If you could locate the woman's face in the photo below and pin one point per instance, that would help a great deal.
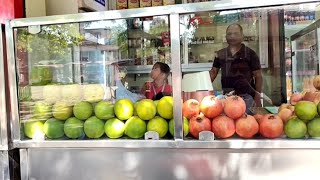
(155, 72)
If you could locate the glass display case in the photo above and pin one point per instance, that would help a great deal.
(71, 77)
(305, 57)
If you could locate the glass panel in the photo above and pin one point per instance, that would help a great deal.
(306, 62)
(246, 52)
(87, 80)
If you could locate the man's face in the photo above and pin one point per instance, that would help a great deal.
(234, 35)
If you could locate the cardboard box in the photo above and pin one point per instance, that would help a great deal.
(133, 4)
(157, 2)
(145, 3)
(122, 4)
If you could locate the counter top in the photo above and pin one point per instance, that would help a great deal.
(186, 144)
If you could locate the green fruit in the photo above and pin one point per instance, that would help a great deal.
(123, 109)
(94, 127)
(73, 128)
(53, 128)
(159, 125)
(185, 127)
(295, 128)
(114, 128)
(42, 110)
(61, 111)
(33, 128)
(314, 127)
(165, 107)
(146, 109)
(135, 108)
(318, 108)
(135, 127)
(305, 110)
(104, 110)
(83, 110)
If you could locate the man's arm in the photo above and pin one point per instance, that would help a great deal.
(213, 73)
(258, 81)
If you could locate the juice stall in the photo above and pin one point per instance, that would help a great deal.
(79, 82)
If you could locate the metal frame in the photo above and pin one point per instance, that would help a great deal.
(173, 11)
(4, 165)
(3, 107)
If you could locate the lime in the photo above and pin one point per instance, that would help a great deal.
(146, 109)
(123, 109)
(33, 128)
(185, 127)
(135, 127)
(83, 110)
(42, 110)
(73, 128)
(314, 127)
(53, 128)
(165, 107)
(158, 124)
(295, 128)
(135, 108)
(114, 128)
(104, 110)
(94, 127)
(61, 111)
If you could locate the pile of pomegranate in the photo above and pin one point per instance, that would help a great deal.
(226, 117)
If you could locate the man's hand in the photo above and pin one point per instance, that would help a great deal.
(257, 100)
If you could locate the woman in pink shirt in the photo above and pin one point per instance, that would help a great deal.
(159, 86)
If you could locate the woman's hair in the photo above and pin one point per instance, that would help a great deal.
(164, 68)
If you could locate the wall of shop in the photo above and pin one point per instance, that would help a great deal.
(10, 9)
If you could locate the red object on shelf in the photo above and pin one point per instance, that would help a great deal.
(11, 9)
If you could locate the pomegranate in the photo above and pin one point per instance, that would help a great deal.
(234, 107)
(271, 126)
(247, 126)
(285, 114)
(211, 107)
(199, 123)
(316, 82)
(295, 98)
(190, 108)
(258, 117)
(223, 126)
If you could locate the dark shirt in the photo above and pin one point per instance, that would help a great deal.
(237, 69)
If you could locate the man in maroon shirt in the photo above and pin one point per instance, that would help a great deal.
(240, 66)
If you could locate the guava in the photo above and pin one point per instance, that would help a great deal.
(61, 111)
(135, 127)
(83, 110)
(159, 125)
(53, 128)
(146, 109)
(104, 110)
(165, 107)
(114, 128)
(94, 127)
(123, 109)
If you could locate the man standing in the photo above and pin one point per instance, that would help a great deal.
(241, 70)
